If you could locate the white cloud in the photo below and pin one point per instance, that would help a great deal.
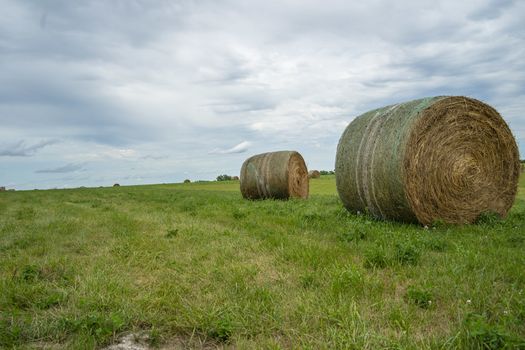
(151, 85)
(22, 149)
(240, 148)
(68, 168)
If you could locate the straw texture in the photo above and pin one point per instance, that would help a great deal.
(439, 158)
(314, 174)
(278, 175)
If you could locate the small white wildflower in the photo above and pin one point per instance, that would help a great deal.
(430, 302)
(469, 301)
(505, 312)
(425, 227)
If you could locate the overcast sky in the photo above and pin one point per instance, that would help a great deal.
(136, 91)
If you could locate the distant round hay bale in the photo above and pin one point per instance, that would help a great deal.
(278, 175)
(2, 189)
(116, 185)
(314, 174)
(447, 159)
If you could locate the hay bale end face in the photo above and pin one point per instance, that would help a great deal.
(278, 175)
(447, 159)
(314, 174)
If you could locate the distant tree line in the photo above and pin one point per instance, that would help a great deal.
(224, 177)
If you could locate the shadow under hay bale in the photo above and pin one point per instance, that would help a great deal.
(314, 174)
(440, 158)
(278, 175)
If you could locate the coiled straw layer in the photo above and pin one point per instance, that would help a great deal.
(447, 159)
(278, 175)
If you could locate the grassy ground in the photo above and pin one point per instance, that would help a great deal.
(197, 263)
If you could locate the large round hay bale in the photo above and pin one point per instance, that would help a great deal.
(314, 174)
(278, 175)
(446, 159)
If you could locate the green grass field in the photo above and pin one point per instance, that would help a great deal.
(197, 265)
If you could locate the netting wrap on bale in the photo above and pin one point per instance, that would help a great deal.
(447, 159)
(278, 175)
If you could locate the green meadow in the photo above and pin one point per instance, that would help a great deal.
(196, 266)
